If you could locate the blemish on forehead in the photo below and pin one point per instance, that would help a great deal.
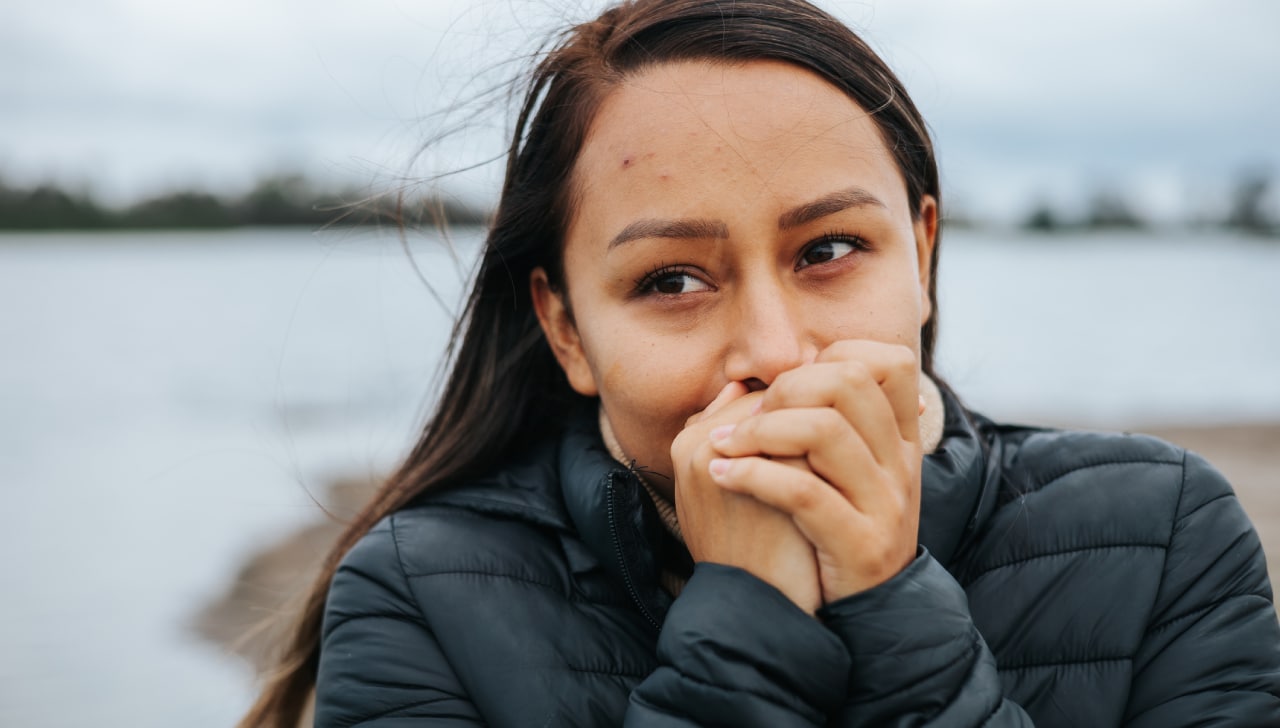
(629, 159)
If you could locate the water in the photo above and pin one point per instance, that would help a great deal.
(1113, 330)
(167, 400)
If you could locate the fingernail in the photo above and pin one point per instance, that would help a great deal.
(722, 432)
(719, 467)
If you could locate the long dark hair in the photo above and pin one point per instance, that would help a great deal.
(503, 375)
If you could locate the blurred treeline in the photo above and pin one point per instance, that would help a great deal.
(1250, 209)
(289, 199)
(292, 199)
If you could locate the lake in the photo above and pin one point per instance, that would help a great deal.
(169, 400)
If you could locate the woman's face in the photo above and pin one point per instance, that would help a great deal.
(730, 223)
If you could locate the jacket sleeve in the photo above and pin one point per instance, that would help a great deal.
(736, 651)
(918, 659)
(1211, 652)
(380, 665)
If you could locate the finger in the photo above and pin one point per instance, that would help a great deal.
(793, 432)
(833, 450)
(731, 391)
(851, 389)
(821, 514)
(895, 368)
(729, 411)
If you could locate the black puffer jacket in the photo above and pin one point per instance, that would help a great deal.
(1064, 579)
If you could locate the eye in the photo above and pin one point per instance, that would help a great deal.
(830, 247)
(671, 281)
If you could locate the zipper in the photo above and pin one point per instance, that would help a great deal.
(622, 561)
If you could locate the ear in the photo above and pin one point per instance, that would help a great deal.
(562, 333)
(926, 233)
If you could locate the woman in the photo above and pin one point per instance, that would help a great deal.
(692, 465)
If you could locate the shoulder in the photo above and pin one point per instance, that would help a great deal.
(1108, 537)
(1129, 495)
(437, 539)
(1131, 474)
(1123, 495)
(508, 526)
(1041, 458)
(368, 580)
(399, 633)
(436, 547)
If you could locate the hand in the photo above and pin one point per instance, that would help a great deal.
(853, 415)
(729, 528)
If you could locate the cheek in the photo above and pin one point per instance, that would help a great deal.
(654, 386)
(898, 321)
(885, 308)
(906, 322)
(898, 300)
(649, 390)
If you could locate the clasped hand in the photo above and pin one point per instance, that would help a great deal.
(813, 484)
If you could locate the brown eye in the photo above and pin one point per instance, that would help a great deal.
(825, 251)
(678, 283)
(672, 283)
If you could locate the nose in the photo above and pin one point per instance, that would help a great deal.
(768, 335)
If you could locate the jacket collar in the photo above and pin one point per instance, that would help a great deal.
(523, 489)
(604, 503)
(614, 516)
(959, 482)
(599, 503)
(619, 524)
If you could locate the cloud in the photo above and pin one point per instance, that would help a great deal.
(133, 95)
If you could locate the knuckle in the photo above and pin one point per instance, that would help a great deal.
(746, 469)
(841, 349)
(881, 554)
(828, 424)
(779, 392)
(804, 497)
(901, 505)
(902, 358)
(897, 501)
(856, 374)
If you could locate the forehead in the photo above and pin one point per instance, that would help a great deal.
(680, 131)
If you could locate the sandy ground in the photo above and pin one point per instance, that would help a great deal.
(246, 618)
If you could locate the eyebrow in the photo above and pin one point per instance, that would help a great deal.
(687, 228)
(692, 228)
(828, 205)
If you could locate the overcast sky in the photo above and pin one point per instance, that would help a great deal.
(1163, 101)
